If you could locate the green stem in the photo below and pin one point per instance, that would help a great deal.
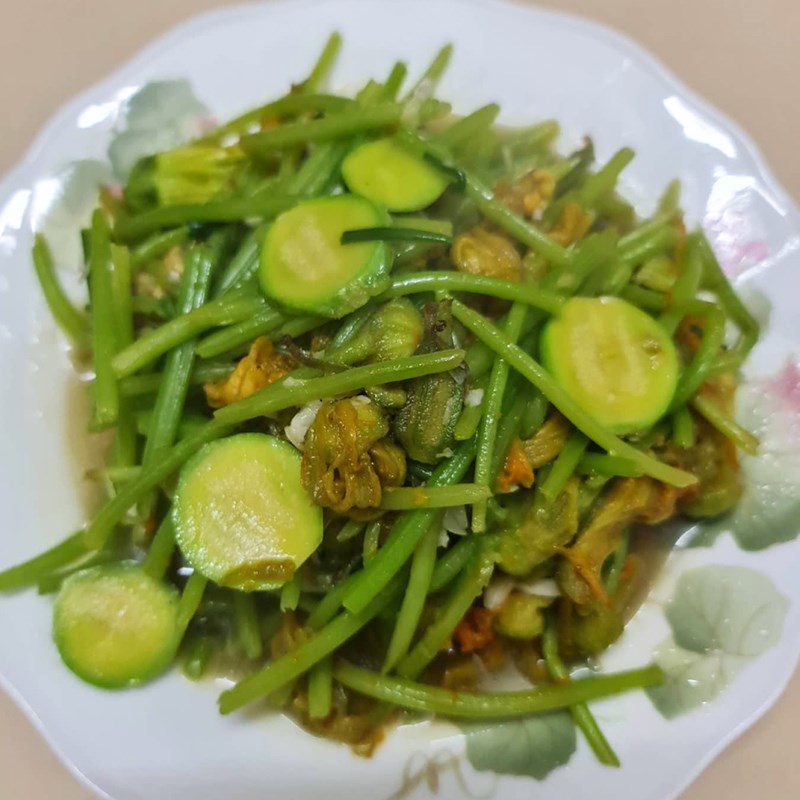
(423, 89)
(451, 281)
(288, 667)
(394, 234)
(226, 310)
(583, 718)
(72, 322)
(320, 689)
(335, 126)
(296, 392)
(468, 422)
(468, 127)
(350, 326)
(297, 326)
(419, 581)
(104, 335)
(197, 656)
(471, 584)
(125, 442)
(38, 567)
(233, 209)
(604, 180)
(534, 414)
(143, 419)
(492, 705)
(634, 238)
(453, 561)
(647, 299)
(246, 624)
(654, 244)
(323, 65)
(122, 299)
(492, 406)
(189, 602)
(426, 82)
(53, 581)
(157, 245)
(531, 138)
(496, 211)
(370, 548)
(493, 209)
(718, 282)
(581, 419)
(683, 428)
(686, 285)
(233, 336)
(620, 274)
(243, 265)
(119, 473)
(351, 529)
(410, 498)
(608, 466)
(508, 428)
(408, 254)
(394, 80)
(714, 415)
(289, 105)
(148, 383)
(161, 549)
(171, 397)
(727, 361)
(564, 466)
(326, 609)
(290, 594)
(311, 179)
(670, 198)
(409, 528)
(706, 354)
(319, 172)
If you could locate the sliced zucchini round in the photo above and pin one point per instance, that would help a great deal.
(614, 360)
(391, 176)
(305, 267)
(115, 626)
(242, 517)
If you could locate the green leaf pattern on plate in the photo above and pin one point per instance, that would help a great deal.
(160, 115)
(769, 510)
(532, 747)
(63, 205)
(721, 618)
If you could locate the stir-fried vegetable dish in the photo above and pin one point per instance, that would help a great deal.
(390, 392)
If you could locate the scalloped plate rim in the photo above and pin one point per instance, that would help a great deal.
(639, 55)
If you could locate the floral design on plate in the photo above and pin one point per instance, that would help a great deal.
(428, 770)
(533, 746)
(160, 115)
(769, 510)
(721, 618)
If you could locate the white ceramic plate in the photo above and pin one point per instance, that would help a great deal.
(734, 606)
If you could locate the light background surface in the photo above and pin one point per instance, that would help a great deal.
(742, 55)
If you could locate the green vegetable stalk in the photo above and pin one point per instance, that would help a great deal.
(490, 705)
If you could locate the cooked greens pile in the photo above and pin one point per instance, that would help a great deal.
(390, 391)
